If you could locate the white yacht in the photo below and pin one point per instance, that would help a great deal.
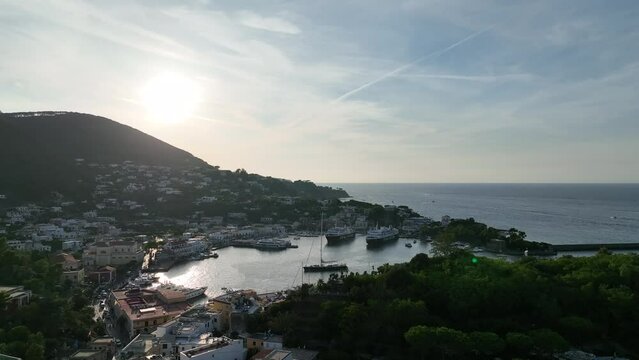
(189, 293)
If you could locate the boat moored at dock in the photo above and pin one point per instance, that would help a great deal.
(381, 235)
(338, 234)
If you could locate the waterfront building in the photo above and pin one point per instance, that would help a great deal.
(119, 252)
(414, 224)
(186, 248)
(143, 310)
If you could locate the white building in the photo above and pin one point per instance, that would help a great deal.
(222, 348)
(112, 253)
(187, 248)
(191, 330)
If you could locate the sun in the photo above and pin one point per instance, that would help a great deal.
(170, 98)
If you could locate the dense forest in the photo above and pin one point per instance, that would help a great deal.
(461, 306)
(58, 318)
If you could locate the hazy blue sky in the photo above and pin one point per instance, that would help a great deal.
(347, 91)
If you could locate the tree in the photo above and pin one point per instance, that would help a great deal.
(518, 343)
(486, 343)
(443, 244)
(548, 341)
(441, 339)
(577, 329)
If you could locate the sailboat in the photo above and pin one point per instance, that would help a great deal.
(325, 266)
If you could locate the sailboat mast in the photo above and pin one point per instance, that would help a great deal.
(321, 235)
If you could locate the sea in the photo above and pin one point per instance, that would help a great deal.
(554, 213)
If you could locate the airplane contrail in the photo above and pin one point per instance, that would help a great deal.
(410, 64)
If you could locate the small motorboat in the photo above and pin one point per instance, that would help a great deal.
(408, 245)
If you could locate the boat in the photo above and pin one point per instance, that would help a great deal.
(325, 266)
(461, 245)
(144, 280)
(339, 233)
(189, 293)
(408, 245)
(381, 235)
(272, 244)
(296, 238)
(414, 241)
(215, 255)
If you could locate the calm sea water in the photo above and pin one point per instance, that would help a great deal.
(555, 213)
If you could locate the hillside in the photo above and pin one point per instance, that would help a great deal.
(49, 153)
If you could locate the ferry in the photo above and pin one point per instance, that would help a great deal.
(272, 244)
(381, 235)
(338, 234)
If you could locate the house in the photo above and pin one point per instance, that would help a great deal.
(222, 348)
(496, 245)
(18, 296)
(263, 341)
(88, 354)
(285, 354)
(17, 245)
(233, 307)
(105, 344)
(71, 268)
(105, 274)
(143, 346)
(193, 329)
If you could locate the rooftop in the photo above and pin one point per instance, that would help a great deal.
(85, 354)
(144, 304)
(217, 343)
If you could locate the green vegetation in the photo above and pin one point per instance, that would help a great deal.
(41, 153)
(479, 234)
(58, 316)
(452, 307)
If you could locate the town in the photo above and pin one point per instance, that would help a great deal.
(110, 244)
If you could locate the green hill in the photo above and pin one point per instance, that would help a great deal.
(40, 155)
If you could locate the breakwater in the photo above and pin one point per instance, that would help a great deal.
(596, 247)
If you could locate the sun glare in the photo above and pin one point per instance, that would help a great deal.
(170, 98)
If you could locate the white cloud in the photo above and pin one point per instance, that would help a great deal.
(274, 24)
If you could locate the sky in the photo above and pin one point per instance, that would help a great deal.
(346, 91)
